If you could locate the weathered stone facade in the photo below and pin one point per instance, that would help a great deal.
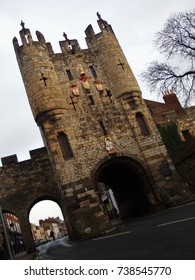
(23, 184)
(171, 112)
(79, 99)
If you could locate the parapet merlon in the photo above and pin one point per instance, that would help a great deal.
(70, 46)
(35, 154)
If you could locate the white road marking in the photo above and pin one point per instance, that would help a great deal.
(183, 205)
(113, 235)
(178, 221)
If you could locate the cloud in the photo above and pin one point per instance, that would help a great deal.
(43, 210)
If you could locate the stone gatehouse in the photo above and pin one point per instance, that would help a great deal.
(98, 133)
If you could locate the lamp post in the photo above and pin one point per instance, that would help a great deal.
(2, 222)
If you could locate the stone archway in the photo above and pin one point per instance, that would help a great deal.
(129, 183)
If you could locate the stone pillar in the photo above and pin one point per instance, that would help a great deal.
(27, 234)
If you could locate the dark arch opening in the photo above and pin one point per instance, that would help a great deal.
(124, 177)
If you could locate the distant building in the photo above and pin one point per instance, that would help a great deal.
(37, 232)
(14, 233)
(53, 224)
(171, 114)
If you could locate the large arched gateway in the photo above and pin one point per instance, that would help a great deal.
(129, 183)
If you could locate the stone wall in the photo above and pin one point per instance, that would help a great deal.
(23, 184)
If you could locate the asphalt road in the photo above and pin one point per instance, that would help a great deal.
(166, 235)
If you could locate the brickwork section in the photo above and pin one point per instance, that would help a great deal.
(24, 180)
(184, 118)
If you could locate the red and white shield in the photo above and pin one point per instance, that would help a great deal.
(75, 90)
(85, 83)
(98, 85)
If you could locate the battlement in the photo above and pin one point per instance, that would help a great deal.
(36, 154)
(68, 46)
(103, 25)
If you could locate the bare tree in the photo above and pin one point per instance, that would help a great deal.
(176, 40)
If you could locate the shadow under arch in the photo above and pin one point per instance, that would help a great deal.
(128, 180)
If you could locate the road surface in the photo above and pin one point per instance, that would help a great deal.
(166, 235)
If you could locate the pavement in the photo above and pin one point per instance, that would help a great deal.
(25, 256)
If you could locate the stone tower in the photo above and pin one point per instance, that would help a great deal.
(97, 129)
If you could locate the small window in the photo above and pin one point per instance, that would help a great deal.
(69, 74)
(165, 169)
(91, 99)
(93, 72)
(109, 95)
(142, 124)
(187, 135)
(71, 48)
(103, 127)
(65, 145)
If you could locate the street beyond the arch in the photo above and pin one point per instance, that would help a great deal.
(166, 235)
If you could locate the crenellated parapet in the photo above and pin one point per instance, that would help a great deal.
(104, 57)
(27, 178)
(37, 154)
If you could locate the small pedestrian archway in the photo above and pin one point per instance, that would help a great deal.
(47, 214)
(18, 229)
(123, 185)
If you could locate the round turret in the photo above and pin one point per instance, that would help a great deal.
(114, 63)
(41, 82)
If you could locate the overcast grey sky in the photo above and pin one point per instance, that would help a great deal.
(134, 22)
